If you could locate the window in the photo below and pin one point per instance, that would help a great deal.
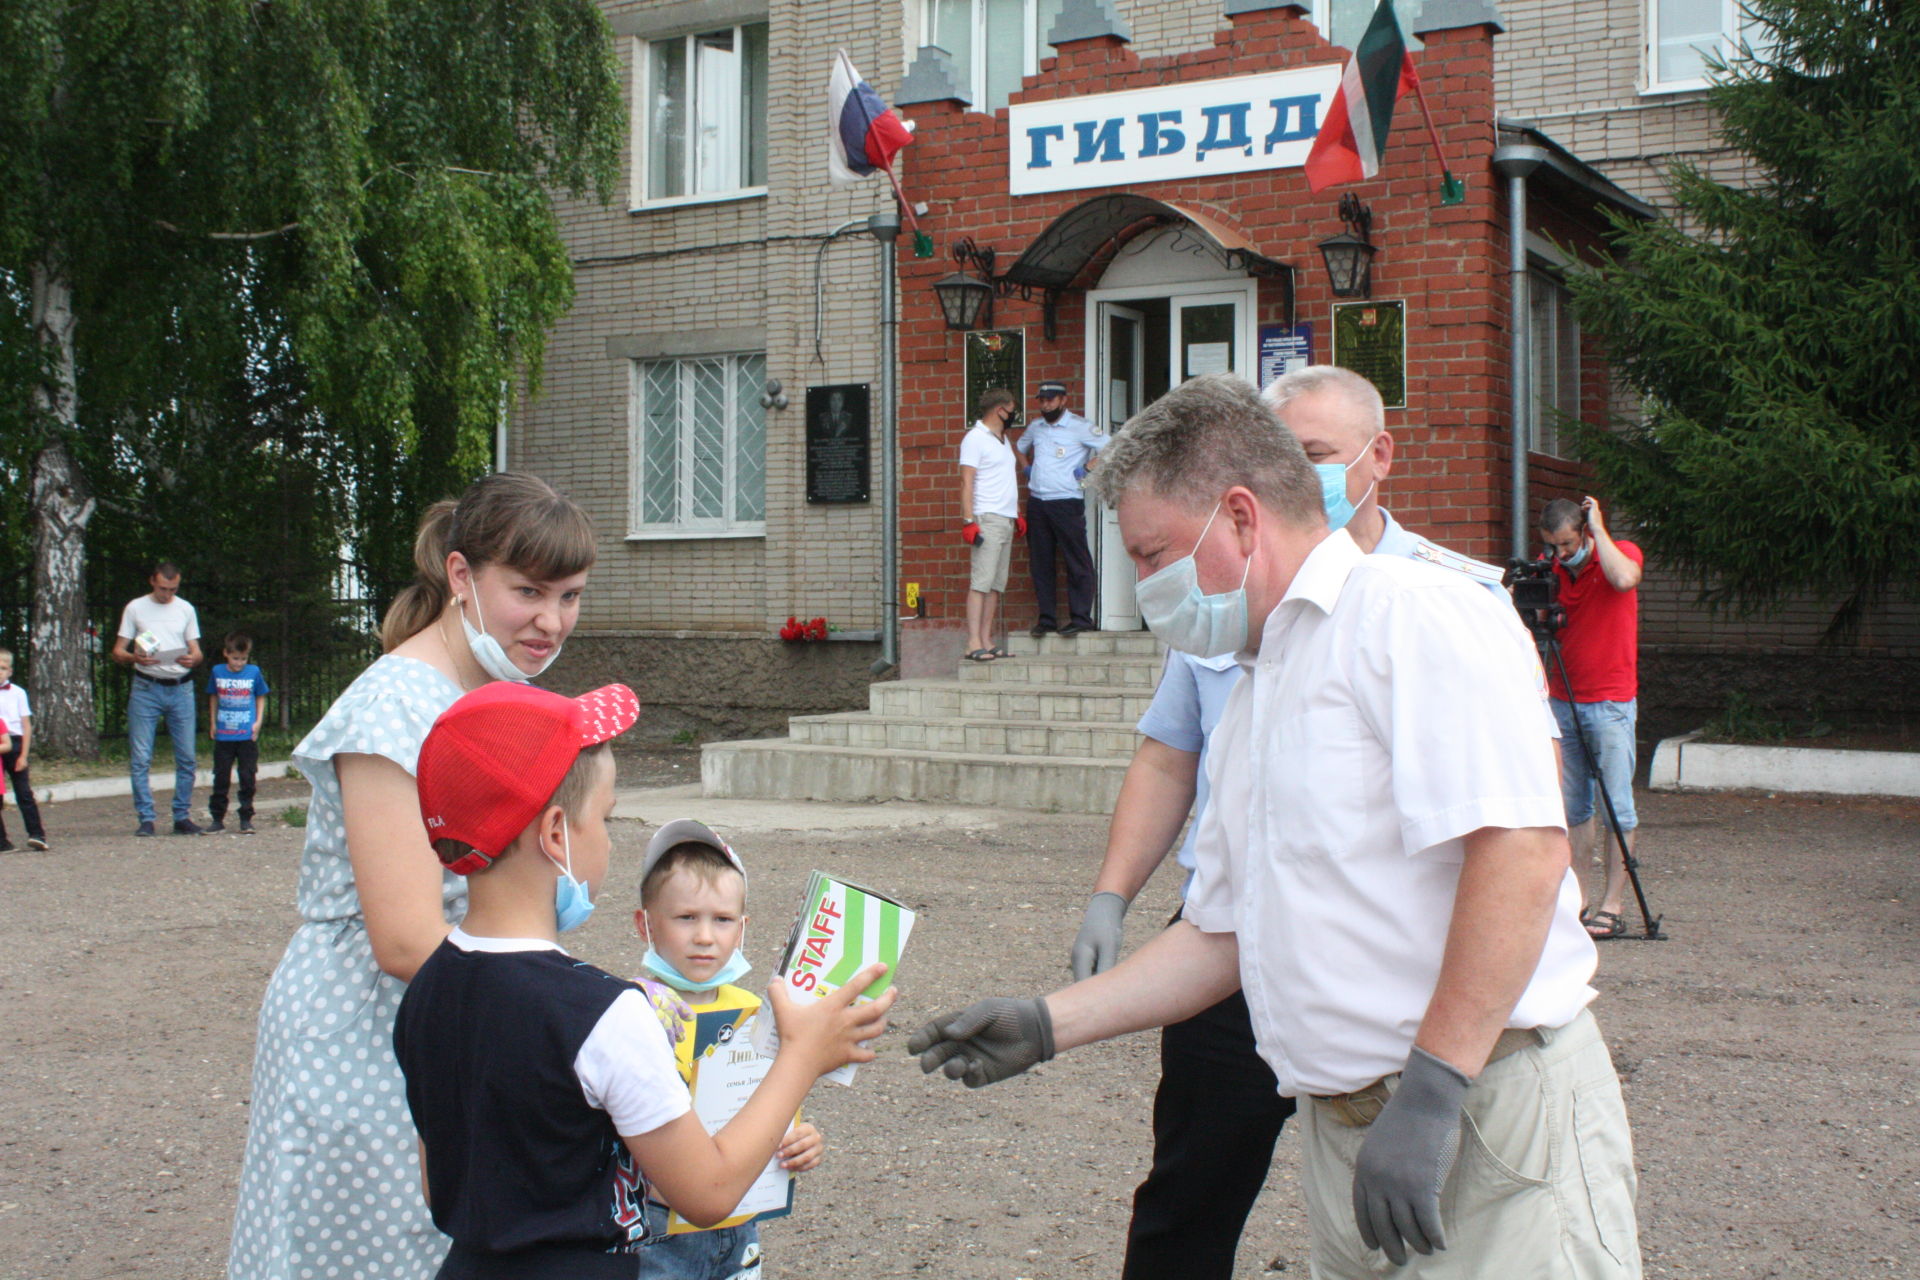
(702, 115)
(1554, 336)
(1013, 34)
(699, 446)
(1680, 35)
(1345, 21)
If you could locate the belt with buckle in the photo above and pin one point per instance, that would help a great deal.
(165, 680)
(1362, 1107)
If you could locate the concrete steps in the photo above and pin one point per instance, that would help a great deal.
(1050, 729)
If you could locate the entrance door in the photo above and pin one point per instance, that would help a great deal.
(1120, 392)
(1146, 339)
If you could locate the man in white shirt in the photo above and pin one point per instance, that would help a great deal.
(990, 511)
(159, 638)
(1383, 870)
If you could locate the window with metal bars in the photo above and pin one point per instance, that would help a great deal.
(698, 447)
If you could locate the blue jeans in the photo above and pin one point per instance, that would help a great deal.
(1608, 727)
(147, 706)
(729, 1253)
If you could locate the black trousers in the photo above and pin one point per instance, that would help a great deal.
(244, 752)
(1215, 1120)
(1060, 523)
(22, 787)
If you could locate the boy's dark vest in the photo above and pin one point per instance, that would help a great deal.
(516, 1158)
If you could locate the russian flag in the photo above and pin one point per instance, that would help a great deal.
(864, 133)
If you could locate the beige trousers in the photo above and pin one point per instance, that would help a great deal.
(1543, 1188)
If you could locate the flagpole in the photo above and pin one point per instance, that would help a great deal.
(1452, 189)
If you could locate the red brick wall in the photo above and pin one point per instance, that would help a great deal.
(1448, 263)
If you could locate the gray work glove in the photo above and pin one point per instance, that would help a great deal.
(987, 1041)
(1101, 932)
(1406, 1158)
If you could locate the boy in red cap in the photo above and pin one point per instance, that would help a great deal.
(545, 1091)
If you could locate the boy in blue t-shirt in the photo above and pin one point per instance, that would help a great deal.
(545, 1091)
(236, 708)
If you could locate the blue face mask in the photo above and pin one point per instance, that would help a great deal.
(489, 652)
(733, 970)
(1579, 557)
(1333, 489)
(1186, 618)
(572, 903)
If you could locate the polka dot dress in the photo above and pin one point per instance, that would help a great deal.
(331, 1182)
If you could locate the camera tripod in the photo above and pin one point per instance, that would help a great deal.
(1544, 629)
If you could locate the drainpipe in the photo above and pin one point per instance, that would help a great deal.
(886, 228)
(1515, 163)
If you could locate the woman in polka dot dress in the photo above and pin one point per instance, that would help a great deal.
(330, 1187)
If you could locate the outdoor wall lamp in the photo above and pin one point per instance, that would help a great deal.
(966, 300)
(1349, 255)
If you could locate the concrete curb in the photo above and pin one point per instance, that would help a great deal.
(107, 788)
(1684, 763)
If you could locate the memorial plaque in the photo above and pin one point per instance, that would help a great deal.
(996, 358)
(837, 446)
(1370, 338)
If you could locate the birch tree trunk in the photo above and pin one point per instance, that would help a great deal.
(62, 651)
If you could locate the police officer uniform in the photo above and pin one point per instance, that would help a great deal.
(1057, 513)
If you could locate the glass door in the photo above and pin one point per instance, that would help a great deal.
(1120, 386)
(1206, 335)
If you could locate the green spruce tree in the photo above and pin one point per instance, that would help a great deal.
(1773, 329)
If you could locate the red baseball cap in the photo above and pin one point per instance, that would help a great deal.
(493, 759)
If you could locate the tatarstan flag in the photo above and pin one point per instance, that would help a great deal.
(1349, 144)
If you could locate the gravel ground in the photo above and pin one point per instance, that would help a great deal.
(1770, 1048)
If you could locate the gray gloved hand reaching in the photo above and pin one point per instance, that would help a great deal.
(1405, 1160)
(985, 1042)
(1098, 947)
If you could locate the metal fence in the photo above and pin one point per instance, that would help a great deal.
(308, 651)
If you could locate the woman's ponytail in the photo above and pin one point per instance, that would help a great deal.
(415, 608)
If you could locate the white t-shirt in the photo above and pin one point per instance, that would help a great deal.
(1393, 709)
(996, 492)
(14, 708)
(172, 625)
(625, 1066)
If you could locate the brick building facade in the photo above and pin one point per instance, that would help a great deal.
(693, 298)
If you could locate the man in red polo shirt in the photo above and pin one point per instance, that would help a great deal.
(1599, 585)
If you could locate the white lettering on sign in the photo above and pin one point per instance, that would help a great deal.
(1192, 130)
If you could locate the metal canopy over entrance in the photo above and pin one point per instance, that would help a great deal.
(1094, 230)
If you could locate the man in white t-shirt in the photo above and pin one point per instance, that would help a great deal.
(159, 638)
(1382, 869)
(990, 511)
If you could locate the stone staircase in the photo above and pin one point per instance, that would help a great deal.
(1049, 729)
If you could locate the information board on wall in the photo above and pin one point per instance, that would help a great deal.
(837, 443)
(996, 358)
(1370, 338)
(1284, 348)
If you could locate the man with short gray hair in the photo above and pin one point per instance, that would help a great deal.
(1217, 1114)
(1383, 868)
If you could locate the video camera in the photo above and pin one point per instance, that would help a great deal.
(1536, 596)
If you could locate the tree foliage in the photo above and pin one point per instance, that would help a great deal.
(1775, 338)
(308, 244)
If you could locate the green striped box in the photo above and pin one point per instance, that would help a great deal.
(841, 929)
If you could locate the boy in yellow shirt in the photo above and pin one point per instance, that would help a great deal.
(692, 916)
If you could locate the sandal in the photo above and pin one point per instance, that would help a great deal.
(998, 652)
(980, 655)
(1602, 925)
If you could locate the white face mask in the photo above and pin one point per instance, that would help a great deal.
(488, 652)
(1185, 617)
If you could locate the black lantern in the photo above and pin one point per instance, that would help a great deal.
(967, 300)
(1349, 255)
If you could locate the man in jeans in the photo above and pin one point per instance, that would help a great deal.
(159, 638)
(1599, 585)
